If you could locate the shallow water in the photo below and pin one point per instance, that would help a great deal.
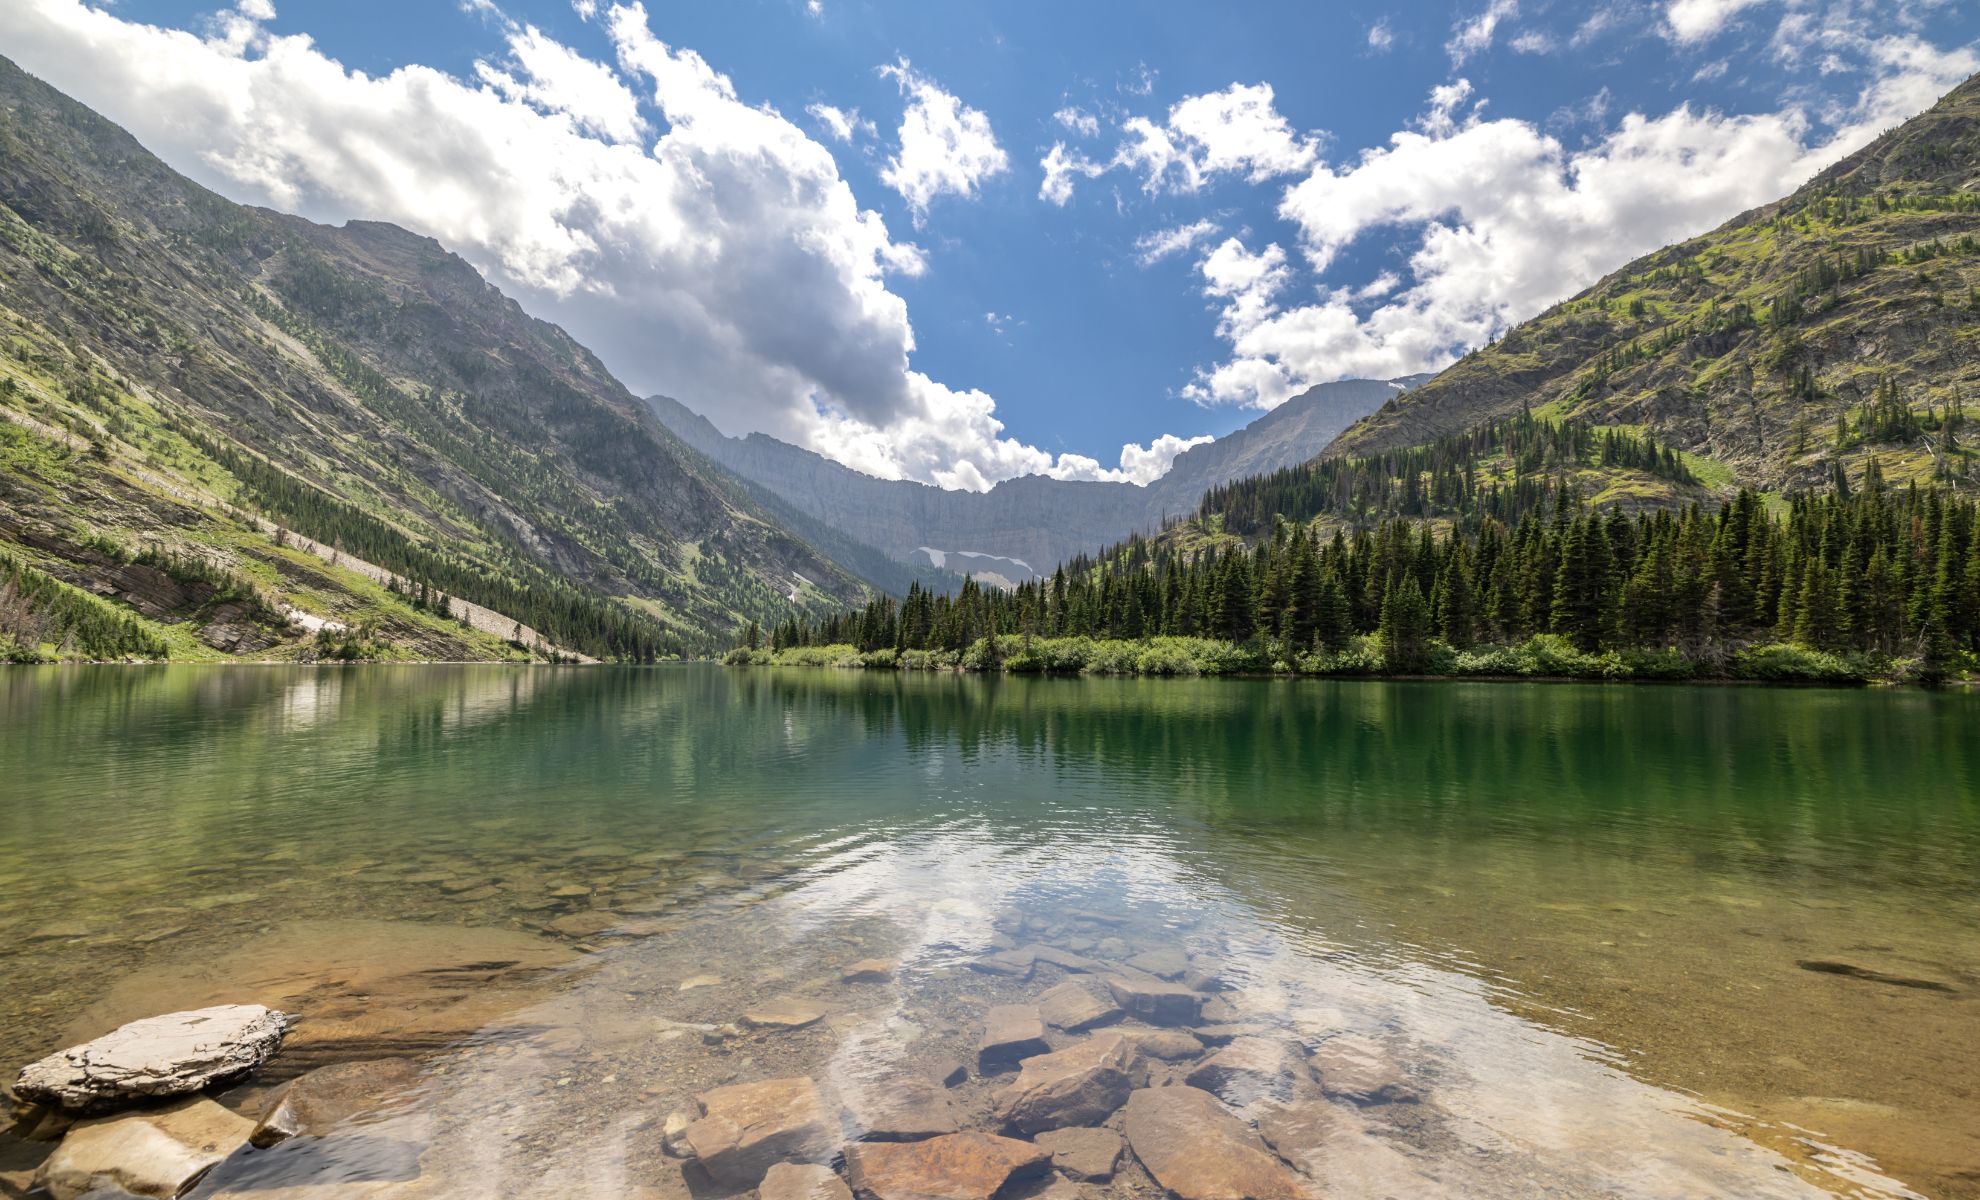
(1620, 941)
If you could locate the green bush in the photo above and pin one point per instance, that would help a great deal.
(1784, 662)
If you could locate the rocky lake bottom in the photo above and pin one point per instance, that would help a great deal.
(679, 932)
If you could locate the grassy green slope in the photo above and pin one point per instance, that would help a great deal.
(179, 371)
(1855, 302)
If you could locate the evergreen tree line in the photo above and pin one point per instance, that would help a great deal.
(1442, 478)
(1887, 572)
(36, 608)
(567, 615)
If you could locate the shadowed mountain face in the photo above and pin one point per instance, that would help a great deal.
(182, 368)
(1031, 523)
(1793, 345)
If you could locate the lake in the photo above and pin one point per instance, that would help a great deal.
(1619, 941)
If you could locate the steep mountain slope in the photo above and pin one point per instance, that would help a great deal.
(1793, 345)
(181, 371)
(1030, 523)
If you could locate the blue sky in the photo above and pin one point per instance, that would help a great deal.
(1365, 191)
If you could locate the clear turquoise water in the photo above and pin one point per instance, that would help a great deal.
(1583, 914)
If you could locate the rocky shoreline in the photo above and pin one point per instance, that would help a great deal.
(1095, 1067)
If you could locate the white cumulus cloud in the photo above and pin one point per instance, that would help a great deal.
(1475, 35)
(1691, 21)
(947, 147)
(723, 260)
(1505, 219)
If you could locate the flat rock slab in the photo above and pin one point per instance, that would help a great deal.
(1169, 1045)
(1084, 1154)
(1221, 1035)
(1198, 1149)
(747, 1128)
(806, 1181)
(1167, 964)
(1065, 960)
(582, 925)
(1250, 1069)
(159, 1152)
(959, 1166)
(312, 1105)
(1011, 1033)
(904, 1110)
(1013, 964)
(1359, 1068)
(1078, 1005)
(867, 970)
(1156, 1001)
(1080, 1085)
(170, 1055)
(783, 1014)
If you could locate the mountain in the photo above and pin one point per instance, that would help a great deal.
(1029, 524)
(213, 416)
(1784, 350)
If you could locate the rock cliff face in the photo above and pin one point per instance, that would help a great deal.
(1031, 522)
(176, 362)
(1793, 344)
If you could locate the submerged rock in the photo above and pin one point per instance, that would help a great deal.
(1016, 964)
(1155, 1001)
(1080, 1085)
(1065, 960)
(1198, 1149)
(1163, 964)
(867, 970)
(1361, 1069)
(1011, 1032)
(1253, 1068)
(1078, 1004)
(169, 1055)
(160, 1152)
(807, 1181)
(783, 1014)
(959, 1166)
(1086, 1154)
(312, 1105)
(747, 1128)
(1169, 1045)
(904, 1110)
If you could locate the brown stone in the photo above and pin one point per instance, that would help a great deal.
(1251, 1069)
(1162, 964)
(958, 1166)
(1011, 1033)
(1301, 1132)
(1015, 964)
(1205, 975)
(313, 1104)
(1087, 1154)
(1080, 1085)
(1219, 1035)
(802, 1181)
(1219, 1011)
(1065, 960)
(581, 924)
(1078, 1005)
(903, 1110)
(783, 1014)
(1153, 1000)
(1359, 1068)
(867, 970)
(157, 1152)
(746, 1128)
(1198, 1149)
(1169, 1045)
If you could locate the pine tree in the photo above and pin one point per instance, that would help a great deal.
(1405, 627)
